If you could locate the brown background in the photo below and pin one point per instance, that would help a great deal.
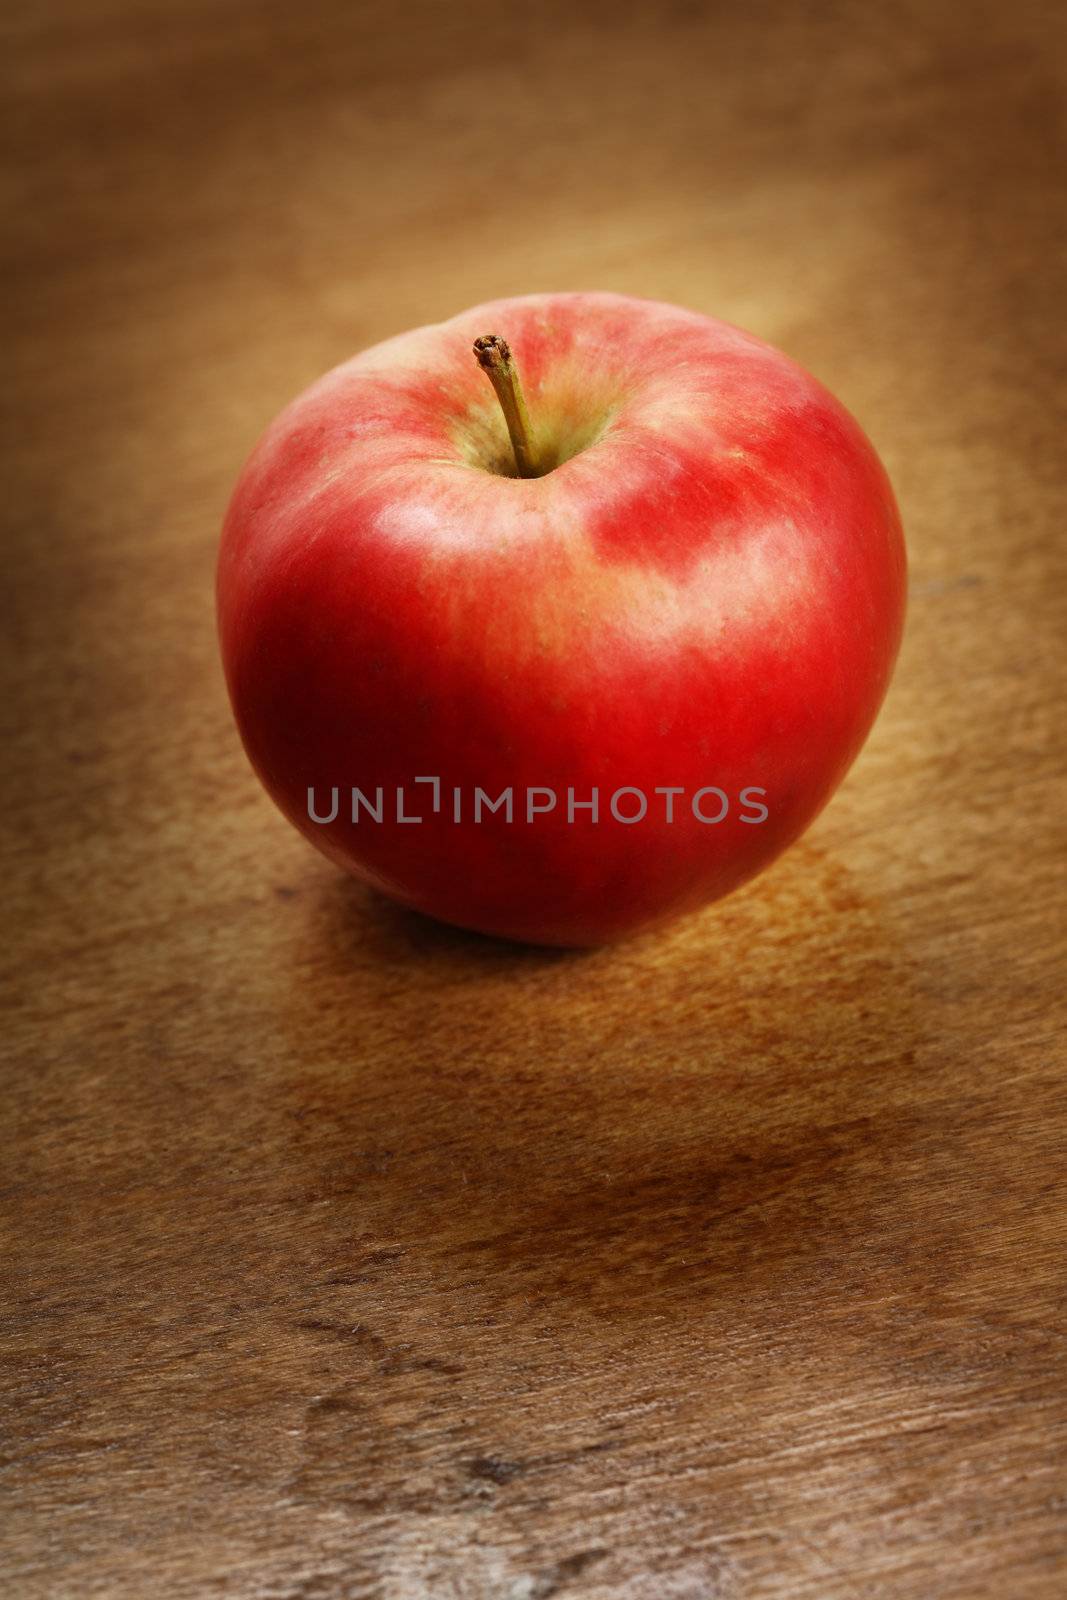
(349, 1256)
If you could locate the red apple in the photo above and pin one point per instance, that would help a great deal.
(696, 586)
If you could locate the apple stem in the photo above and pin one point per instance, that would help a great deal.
(497, 362)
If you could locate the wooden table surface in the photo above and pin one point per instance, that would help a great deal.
(348, 1256)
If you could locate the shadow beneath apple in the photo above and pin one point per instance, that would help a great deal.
(410, 936)
(702, 1117)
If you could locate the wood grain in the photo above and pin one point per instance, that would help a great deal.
(347, 1256)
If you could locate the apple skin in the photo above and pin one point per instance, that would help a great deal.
(707, 589)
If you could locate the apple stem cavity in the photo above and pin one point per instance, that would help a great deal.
(497, 362)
